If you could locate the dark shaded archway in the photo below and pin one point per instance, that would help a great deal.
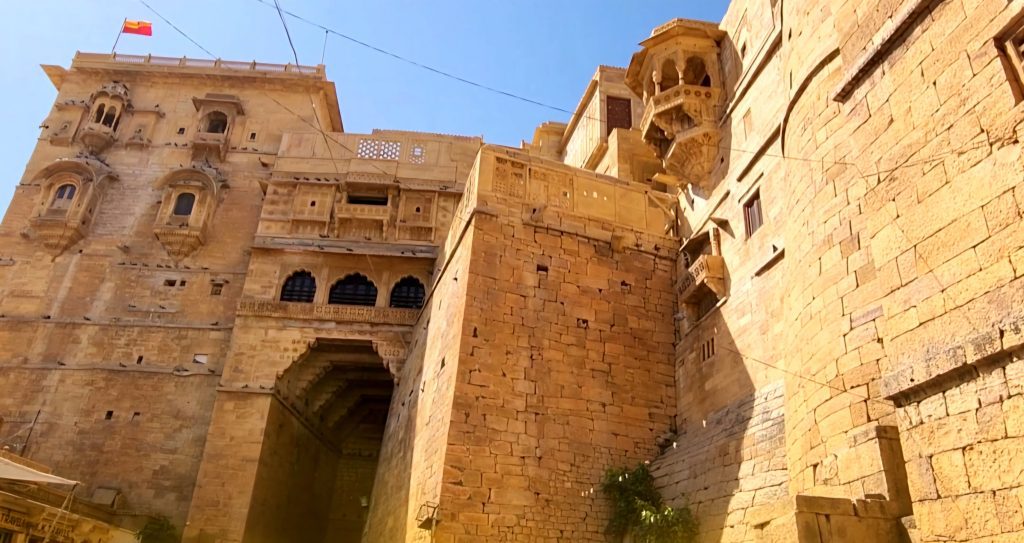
(321, 445)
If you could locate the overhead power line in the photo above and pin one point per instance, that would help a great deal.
(418, 64)
(180, 31)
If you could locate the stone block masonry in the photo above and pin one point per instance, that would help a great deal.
(565, 361)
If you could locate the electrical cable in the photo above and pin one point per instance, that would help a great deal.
(180, 31)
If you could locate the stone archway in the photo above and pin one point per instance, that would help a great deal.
(320, 451)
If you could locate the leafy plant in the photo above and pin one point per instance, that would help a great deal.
(637, 509)
(158, 530)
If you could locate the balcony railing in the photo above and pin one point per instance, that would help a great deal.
(358, 211)
(186, 62)
(707, 97)
(707, 271)
(339, 313)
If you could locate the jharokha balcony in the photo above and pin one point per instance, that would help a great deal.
(680, 79)
(706, 273)
(254, 307)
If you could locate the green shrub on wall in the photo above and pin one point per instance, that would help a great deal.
(639, 511)
(158, 530)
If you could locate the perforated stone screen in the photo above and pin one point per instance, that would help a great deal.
(379, 149)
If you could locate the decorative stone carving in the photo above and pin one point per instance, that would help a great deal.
(394, 354)
(181, 226)
(107, 108)
(328, 312)
(71, 189)
(678, 75)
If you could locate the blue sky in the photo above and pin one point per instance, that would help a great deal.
(543, 49)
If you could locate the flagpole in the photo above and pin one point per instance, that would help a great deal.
(119, 32)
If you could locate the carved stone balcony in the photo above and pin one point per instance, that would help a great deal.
(96, 137)
(681, 124)
(57, 232)
(180, 241)
(209, 143)
(707, 273)
(254, 307)
(359, 211)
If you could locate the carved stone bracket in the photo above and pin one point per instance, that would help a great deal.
(179, 242)
(393, 353)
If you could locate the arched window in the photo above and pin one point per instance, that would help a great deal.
(99, 113)
(215, 123)
(696, 73)
(407, 293)
(299, 287)
(63, 197)
(110, 116)
(669, 75)
(353, 289)
(183, 204)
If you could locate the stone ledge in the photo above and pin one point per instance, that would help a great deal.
(886, 40)
(920, 375)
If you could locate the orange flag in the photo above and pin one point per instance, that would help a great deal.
(144, 28)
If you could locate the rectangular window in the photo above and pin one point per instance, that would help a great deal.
(200, 358)
(1012, 45)
(216, 289)
(620, 113)
(752, 217)
(367, 199)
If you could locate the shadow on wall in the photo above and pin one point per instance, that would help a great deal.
(729, 454)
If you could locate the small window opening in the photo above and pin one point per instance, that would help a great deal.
(752, 216)
(182, 283)
(136, 415)
(408, 293)
(99, 113)
(170, 282)
(353, 289)
(110, 116)
(417, 209)
(183, 204)
(139, 359)
(252, 136)
(181, 130)
(620, 113)
(312, 203)
(200, 358)
(216, 289)
(707, 349)
(299, 287)
(541, 268)
(109, 415)
(367, 199)
(216, 122)
(63, 197)
(669, 75)
(695, 72)
(1012, 49)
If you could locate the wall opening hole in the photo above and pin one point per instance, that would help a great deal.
(181, 131)
(109, 415)
(139, 359)
(541, 268)
(216, 289)
(252, 136)
(170, 282)
(199, 358)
